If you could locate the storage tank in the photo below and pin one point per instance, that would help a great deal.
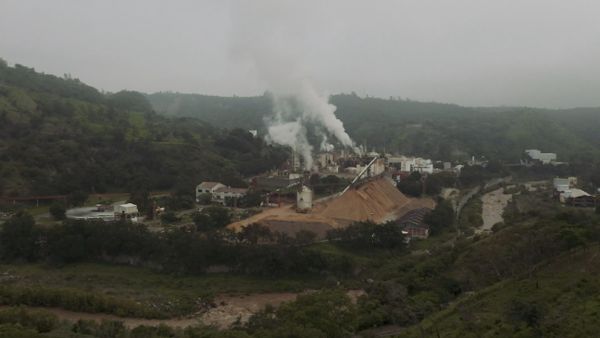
(304, 198)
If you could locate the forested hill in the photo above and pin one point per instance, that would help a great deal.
(442, 131)
(59, 135)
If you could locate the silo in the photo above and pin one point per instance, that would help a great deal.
(304, 198)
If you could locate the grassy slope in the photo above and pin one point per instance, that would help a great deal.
(564, 290)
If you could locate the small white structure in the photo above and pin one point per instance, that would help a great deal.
(127, 211)
(304, 198)
(537, 155)
(207, 188)
(254, 132)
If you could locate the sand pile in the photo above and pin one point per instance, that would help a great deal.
(377, 200)
(374, 200)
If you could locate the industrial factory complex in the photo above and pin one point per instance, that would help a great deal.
(293, 198)
(370, 194)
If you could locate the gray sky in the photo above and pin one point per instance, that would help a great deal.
(471, 52)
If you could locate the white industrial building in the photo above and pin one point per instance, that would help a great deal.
(327, 162)
(537, 155)
(376, 169)
(325, 159)
(127, 211)
(410, 164)
(222, 194)
(207, 188)
(219, 192)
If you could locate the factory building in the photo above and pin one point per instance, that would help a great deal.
(538, 156)
(219, 192)
(410, 164)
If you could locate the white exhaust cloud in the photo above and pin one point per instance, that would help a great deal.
(275, 52)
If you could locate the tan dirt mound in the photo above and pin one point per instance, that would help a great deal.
(374, 201)
(377, 200)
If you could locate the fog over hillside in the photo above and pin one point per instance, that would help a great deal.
(520, 53)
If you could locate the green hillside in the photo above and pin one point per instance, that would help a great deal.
(559, 299)
(58, 135)
(442, 131)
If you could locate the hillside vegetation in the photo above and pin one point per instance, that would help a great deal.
(442, 131)
(58, 135)
(536, 276)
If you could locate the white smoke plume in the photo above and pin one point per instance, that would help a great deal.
(273, 48)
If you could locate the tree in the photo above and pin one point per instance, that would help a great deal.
(471, 175)
(169, 217)
(411, 185)
(77, 198)
(181, 199)
(58, 211)
(19, 238)
(220, 216)
(388, 236)
(252, 199)
(330, 312)
(433, 185)
(141, 198)
(529, 313)
(442, 216)
(304, 237)
(203, 221)
(253, 233)
(394, 301)
(204, 198)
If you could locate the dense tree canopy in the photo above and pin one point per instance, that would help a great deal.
(60, 136)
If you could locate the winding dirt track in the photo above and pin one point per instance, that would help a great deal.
(494, 203)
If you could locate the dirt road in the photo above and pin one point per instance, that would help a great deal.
(494, 203)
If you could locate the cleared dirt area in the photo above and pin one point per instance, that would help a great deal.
(494, 203)
(228, 310)
(377, 200)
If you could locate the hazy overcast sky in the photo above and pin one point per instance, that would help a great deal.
(471, 52)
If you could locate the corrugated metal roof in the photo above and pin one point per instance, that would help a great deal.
(232, 190)
(208, 185)
(575, 193)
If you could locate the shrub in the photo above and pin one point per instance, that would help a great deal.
(38, 320)
(58, 211)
